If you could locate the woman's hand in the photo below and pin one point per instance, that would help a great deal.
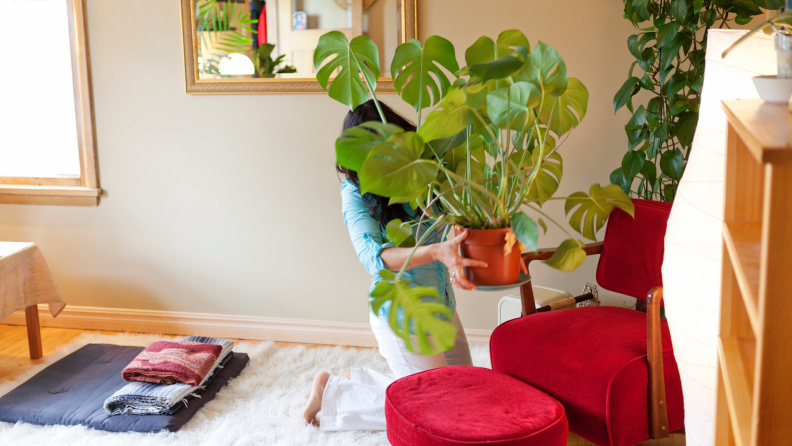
(448, 254)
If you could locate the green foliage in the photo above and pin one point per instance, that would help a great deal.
(419, 317)
(590, 211)
(265, 66)
(485, 157)
(222, 27)
(783, 22)
(355, 58)
(412, 66)
(669, 50)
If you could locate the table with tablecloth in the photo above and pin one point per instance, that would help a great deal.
(25, 282)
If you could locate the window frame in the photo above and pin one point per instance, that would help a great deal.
(67, 191)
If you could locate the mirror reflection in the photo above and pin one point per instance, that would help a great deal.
(266, 39)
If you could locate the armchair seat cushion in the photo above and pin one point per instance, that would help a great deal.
(457, 406)
(593, 361)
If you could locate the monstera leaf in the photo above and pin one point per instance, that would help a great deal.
(562, 113)
(408, 316)
(360, 56)
(395, 168)
(354, 144)
(592, 210)
(513, 106)
(485, 50)
(546, 179)
(411, 68)
(500, 68)
(568, 256)
(546, 70)
(451, 116)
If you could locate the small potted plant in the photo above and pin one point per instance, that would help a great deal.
(483, 159)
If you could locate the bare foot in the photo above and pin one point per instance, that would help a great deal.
(314, 404)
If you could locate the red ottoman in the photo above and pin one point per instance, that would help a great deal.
(471, 406)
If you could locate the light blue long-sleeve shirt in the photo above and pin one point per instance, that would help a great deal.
(368, 239)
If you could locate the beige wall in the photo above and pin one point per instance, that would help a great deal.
(230, 204)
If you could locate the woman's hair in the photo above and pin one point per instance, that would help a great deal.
(378, 206)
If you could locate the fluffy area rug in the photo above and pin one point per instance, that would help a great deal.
(261, 407)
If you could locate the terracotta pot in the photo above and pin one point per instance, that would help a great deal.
(487, 245)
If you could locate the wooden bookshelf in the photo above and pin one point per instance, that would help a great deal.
(754, 403)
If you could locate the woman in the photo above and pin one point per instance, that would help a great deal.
(356, 400)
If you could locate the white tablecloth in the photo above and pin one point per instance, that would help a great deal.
(25, 279)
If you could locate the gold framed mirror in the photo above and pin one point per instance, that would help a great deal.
(266, 46)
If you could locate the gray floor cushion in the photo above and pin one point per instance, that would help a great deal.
(72, 391)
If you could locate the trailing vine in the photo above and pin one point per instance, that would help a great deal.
(670, 52)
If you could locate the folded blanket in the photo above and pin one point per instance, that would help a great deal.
(140, 398)
(166, 362)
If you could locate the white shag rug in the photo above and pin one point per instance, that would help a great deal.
(262, 406)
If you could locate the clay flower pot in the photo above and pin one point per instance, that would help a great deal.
(489, 245)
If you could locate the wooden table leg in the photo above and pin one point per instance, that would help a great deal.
(33, 331)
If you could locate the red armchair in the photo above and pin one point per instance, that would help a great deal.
(613, 369)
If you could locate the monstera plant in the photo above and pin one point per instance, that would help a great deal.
(485, 157)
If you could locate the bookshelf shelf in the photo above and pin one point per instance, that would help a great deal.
(754, 391)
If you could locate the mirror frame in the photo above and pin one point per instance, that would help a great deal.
(408, 30)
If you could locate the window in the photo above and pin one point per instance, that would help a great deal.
(47, 147)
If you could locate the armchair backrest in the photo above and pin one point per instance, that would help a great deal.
(632, 252)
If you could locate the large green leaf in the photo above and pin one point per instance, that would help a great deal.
(672, 163)
(525, 229)
(567, 109)
(360, 56)
(568, 256)
(546, 180)
(410, 317)
(513, 106)
(545, 69)
(354, 144)
(395, 168)
(627, 91)
(400, 233)
(590, 211)
(412, 66)
(500, 68)
(485, 50)
(450, 117)
(632, 163)
(685, 127)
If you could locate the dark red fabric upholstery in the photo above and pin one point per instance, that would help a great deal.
(632, 253)
(471, 406)
(593, 361)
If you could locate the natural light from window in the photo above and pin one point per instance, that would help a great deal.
(38, 124)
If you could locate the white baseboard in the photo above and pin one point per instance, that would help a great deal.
(215, 325)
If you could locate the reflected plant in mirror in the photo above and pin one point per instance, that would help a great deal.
(485, 158)
(265, 66)
(223, 29)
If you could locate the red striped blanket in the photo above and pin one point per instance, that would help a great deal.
(166, 362)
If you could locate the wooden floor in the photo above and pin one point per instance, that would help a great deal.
(14, 360)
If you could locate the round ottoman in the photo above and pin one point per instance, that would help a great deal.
(471, 406)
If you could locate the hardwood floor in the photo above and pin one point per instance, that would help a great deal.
(14, 360)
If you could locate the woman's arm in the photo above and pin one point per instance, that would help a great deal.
(447, 253)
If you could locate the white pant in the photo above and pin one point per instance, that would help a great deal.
(358, 403)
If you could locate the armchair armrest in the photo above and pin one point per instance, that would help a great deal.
(526, 290)
(658, 420)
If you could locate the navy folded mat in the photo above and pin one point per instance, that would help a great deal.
(72, 392)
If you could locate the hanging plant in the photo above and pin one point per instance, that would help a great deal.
(669, 53)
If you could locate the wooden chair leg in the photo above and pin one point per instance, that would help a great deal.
(33, 331)
(527, 296)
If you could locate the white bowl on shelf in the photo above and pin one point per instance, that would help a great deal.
(772, 89)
